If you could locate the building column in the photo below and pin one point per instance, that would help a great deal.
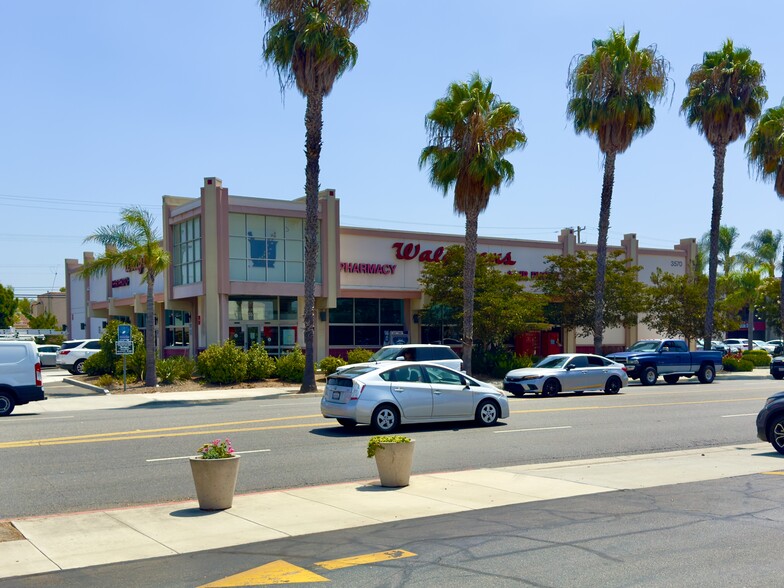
(630, 246)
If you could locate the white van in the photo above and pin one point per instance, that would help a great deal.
(20, 375)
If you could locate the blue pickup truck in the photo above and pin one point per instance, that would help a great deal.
(671, 358)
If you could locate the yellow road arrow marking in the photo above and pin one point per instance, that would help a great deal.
(276, 572)
(358, 560)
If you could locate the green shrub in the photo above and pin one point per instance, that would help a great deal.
(759, 357)
(134, 365)
(167, 370)
(109, 338)
(98, 364)
(106, 381)
(223, 364)
(374, 443)
(260, 365)
(744, 365)
(733, 364)
(291, 367)
(330, 364)
(359, 355)
(497, 362)
(186, 367)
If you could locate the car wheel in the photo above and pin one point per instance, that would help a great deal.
(706, 374)
(348, 423)
(486, 413)
(78, 367)
(778, 376)
(776, 433)
(385, 419)
(6, 404)
(671, 379)
(613, 385)
(551, 387)
(648, 376)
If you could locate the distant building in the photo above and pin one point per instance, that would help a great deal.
(54, 303)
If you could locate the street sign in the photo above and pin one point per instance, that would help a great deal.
(123, 332)
(123, 347)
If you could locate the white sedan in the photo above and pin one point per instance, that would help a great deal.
(568, 372)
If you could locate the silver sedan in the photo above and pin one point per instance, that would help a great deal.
(568, 372)
(387, 395)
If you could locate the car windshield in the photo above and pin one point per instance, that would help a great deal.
(644, 346)
(386, 353)
(556, 361)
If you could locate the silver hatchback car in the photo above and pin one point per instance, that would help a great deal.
(385, 396)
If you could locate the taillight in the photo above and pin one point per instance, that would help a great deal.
(65, 352)
(356, 391)
(623, 367)
(39, 379)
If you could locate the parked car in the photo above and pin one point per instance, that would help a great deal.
(715, 346)
(386, 395)
(671, 358)
(736, 345)
(73, 354)
(20, 375)
(48, 355)
(440, 354)
(777, 367)
(568, 372)
(778, 346)
(770, 422)
(764, 345)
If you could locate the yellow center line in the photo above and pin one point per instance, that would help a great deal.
(644, 405)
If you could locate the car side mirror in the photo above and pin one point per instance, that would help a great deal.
(570, 367)
(400, 358)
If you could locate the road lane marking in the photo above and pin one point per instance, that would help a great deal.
(190, 456)
(276, 572)
(368, 558)
(729, 416)
(536, 429)
(773, 473)
(646, 405)
(17, 421)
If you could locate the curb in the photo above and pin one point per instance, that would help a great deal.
(85, 385)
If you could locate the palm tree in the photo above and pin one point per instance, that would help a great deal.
(727, 238)
(470, 131)
(725, 90)
(134, 243)
(765, 152)
(762, 251)
(611, 95)
(309, 45)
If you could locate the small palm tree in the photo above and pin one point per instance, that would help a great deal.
(470, 132)
(725, 91)
(309, 45)
(762, 251)
(611, 95)
(765, 151)
(134, 244)
(728, 236)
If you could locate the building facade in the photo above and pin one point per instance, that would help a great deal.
(237, 273)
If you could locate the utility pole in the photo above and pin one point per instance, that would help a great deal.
(579, 230)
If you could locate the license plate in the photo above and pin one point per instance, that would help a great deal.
(336, 396)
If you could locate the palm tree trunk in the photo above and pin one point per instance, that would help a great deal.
(781, 297)
(750, 326)
(313, 126)
(601, 251)
(150, 377)
(719, 154)
(469, 273)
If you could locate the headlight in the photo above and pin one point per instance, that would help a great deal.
(771, 400)
(530, 378)
(634, 361)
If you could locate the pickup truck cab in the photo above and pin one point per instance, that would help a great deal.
(671, 358)
(20, 375)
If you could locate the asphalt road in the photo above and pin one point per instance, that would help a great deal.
(65, 462)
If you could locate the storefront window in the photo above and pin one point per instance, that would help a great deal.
(178, 328)
(186, 251)
(364, 322)
(267, 249)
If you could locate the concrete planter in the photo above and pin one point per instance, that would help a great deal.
(215, 480)
(393, 461)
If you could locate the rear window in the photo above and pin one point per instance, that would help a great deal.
(93, 345)
(70, 344)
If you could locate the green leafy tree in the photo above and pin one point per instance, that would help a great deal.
(724, 91)
(568, 282)
(8, 305)
(765, 152)
(44, 321)
(502, 305)
(470, 132)
(745, 291)
(133, 243)
(676, 305)
(612, 91)
(309, 45)
(25, 307)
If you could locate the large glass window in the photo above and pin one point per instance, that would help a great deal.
(186, 251)
(364, 322)
(178, 328)
(267, 249)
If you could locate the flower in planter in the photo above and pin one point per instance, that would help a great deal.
(374, 443)
(217, 450)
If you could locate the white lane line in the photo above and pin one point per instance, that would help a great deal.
(729, 416)
(537, 429)
(190, 456)
(17, 421)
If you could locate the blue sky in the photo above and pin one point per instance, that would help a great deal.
(109, 104)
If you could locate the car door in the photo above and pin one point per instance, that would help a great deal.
(577, 376)
(412, 393)
(674, 358)
(598, 372)
(451, 396)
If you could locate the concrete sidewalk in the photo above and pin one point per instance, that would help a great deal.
(68, 541)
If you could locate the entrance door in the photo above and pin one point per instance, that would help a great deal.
(252, 335)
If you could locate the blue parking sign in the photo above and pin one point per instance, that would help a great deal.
(124, 332)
